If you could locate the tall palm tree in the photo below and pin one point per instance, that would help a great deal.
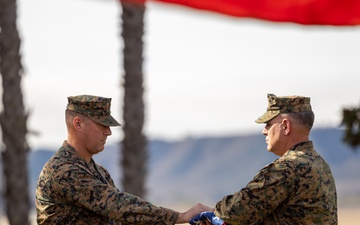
(13, 118)
(134, 153)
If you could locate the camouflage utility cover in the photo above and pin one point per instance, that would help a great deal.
(284, 104)
(73, 191)
(298, 188)
(95, 107)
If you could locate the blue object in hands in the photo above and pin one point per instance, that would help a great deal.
(206, 216)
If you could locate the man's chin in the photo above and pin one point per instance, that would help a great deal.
(100, 150)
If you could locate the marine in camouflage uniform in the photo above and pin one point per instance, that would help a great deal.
(297, 188)
(72, 190)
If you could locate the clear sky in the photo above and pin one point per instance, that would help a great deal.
(205, 73)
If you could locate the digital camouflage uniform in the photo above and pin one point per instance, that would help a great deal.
(73, 191)
(298, 188)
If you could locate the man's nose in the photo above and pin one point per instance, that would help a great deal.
(107, 131)
(264, 132)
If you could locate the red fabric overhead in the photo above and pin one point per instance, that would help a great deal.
(308, 12)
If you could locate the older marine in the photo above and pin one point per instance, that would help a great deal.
(298, 187)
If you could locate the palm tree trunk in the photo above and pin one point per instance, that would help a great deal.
(134, 153)
(13, 119)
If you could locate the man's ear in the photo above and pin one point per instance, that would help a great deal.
(286, 126)
(77, 123)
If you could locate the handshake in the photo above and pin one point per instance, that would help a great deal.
(206, 216)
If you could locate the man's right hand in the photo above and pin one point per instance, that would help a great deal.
(185, 217)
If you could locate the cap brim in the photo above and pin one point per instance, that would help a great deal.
(109, 121)
(266, 117)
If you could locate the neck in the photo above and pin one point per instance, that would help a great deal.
(80, 150)
(295, 139)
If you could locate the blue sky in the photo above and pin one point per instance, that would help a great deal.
(205, 73)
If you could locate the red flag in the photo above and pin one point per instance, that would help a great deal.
(308, 12)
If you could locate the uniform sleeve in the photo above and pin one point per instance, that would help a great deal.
(83, 189)
(271, 186)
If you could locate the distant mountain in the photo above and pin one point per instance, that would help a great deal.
(204, 169)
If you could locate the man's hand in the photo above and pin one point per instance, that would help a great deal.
(185, 217)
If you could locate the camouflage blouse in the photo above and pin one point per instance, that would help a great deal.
(297, 188)
(73, 191)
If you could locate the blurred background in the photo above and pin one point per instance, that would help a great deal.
(206, 77)
(204, 73)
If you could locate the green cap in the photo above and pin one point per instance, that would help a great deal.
(95, 107)
(284, 104)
